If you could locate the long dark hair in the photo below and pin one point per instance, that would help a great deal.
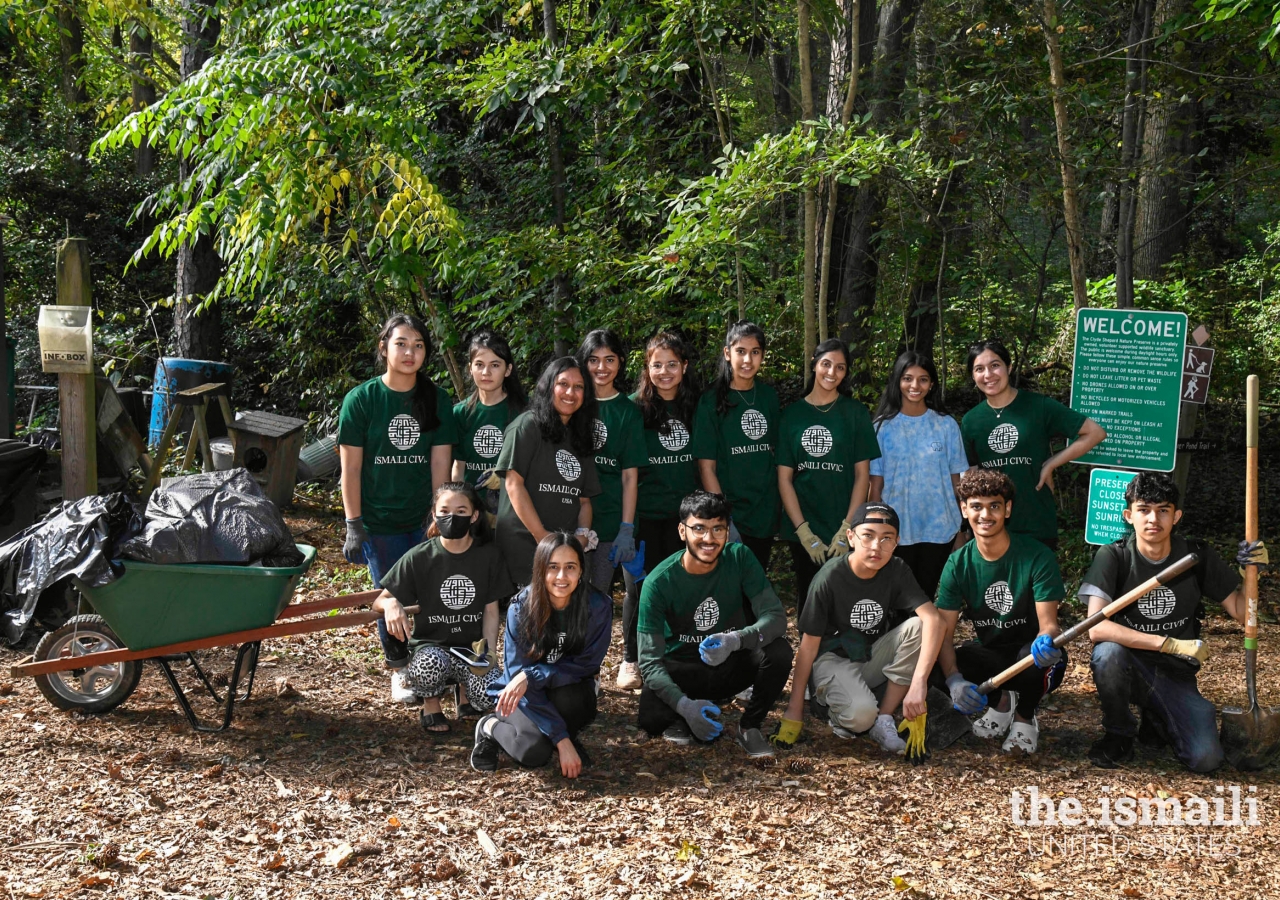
(424, 395)
(608, 339)
(891, 400)
(498, 346)
(830, 345)
(578, 431)
(651, 404)
(724, 374)
(480, 532)
(995, 345)
(536, 610)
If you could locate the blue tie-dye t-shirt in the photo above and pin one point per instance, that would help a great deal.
(918, 456)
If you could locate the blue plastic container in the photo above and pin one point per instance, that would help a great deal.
(174, 374)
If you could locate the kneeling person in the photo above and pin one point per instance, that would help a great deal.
(1149, 654)
(695, 646)
(858, 632)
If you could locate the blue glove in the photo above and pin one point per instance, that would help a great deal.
(635, 567)
(734, 536)
(624, 545)
(700, 714)
(964, 695)
(1044, 653)
(716, 648)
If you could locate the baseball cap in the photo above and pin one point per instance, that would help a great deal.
(875, 513)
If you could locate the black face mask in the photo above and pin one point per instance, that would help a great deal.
(453, 526)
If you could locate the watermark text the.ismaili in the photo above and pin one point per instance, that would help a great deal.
(1228, 807)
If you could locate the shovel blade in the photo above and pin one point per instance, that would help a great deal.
(1250, 737)
(944, 725)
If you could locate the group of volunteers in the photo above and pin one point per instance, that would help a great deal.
(534, 504)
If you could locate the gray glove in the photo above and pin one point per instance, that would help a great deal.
(964, 695)
(624, 545)
(716, 648)
(353, 546)
(700, 714)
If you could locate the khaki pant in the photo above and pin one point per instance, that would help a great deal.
(845, 687)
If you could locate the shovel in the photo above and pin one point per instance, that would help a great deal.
(1250, 735)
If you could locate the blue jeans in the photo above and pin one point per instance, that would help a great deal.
(381, 552)
(1166, 690)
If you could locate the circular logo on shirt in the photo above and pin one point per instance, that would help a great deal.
(457, 592)
(754, 424)
(677, 437)
(816, 440)
(567, 465)
(403, 431)
(487, 441)
(1157, 604)
(707, 615)
(866, 615)
(599, 432)
(1003, 438)
(554, 654)
(999, 598)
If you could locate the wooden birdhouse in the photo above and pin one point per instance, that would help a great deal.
(267, 445)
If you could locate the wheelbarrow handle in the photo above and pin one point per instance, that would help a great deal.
(1164, 576)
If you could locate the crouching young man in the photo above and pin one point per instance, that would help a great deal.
(866, 623)
(695, 646)
(1148, 655)
(1008, 585)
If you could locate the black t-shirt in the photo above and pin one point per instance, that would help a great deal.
(451, 589)
(851, 613)
(1169, 610)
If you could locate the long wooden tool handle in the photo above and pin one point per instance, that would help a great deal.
(1251, 534)
(1164, 576)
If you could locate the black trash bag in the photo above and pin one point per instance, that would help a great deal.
(74, 539)
(215, 517)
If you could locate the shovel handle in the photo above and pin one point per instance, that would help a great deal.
(1164, 576)
(1251, 510)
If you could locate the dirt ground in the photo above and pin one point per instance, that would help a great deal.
(325, 788)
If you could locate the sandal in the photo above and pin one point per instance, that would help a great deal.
(434, 723)
(467, 711)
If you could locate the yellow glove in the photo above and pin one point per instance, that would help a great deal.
(916, 750)
(812, 544)
(489, 480)
(839, 545)
(786, 734)
(1197, 650)
(481, 648)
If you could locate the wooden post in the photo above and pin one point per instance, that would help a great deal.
(6, 426)
(77, 394)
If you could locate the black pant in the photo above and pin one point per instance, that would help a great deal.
(519, 736)
(978, 663)
(661, 538)
(805, 569)
(925, 562)
(764, 670)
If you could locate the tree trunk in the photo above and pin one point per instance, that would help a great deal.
(197, 334)
(71, 55)
(144, 91)
(807, 298)
(780, 81)
(560, 283)
(844, 61)
(1130, 132)
(1070, 201)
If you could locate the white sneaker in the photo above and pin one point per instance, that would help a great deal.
(840, 731)
(400, 690)
(885, 734)
(629, 677)
(1024, 736)
(994, 724)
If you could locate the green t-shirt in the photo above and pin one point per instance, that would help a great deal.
(1015, 440)
(742, 444)
(395, 478)
(999, 597)
(850, 613)
(671, 474)
(685, 608)
(480, 430)
(556, 479)
(823, 448)
(619, 433)
(450, 589)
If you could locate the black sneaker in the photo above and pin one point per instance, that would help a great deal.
(484, 755)
(678, 733)
(1111, 750)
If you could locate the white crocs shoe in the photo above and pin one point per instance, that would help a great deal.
(400, 690)
(1024, 736)
(994, 724)
(885, 734)
(840, 731)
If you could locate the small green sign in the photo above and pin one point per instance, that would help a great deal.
(1127, 376)
(1103, 522)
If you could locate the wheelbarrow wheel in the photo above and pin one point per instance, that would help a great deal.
(97, 689)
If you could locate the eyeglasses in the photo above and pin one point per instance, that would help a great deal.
(870, 540)
(701, 530)
(672, 366)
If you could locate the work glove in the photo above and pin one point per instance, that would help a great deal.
(916, 750)
(353, 546)
(1043, 653)
(624, 545)
(964, 695)
(839, 545)
(811, 543)
(786, 734)
(481, 648)
(635, 567)
(1190, 650)
(715, 648)
(588, 538)
(734, 536)
(700, 714)
(489, 480)
(1252, 553)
